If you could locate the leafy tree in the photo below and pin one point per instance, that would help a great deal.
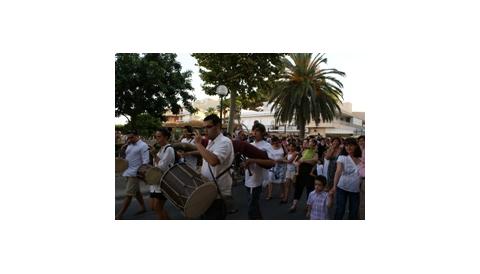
(246, 75)
(151, 84)
(145, 124)
(307, 91)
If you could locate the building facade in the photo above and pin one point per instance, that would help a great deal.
(347, 123)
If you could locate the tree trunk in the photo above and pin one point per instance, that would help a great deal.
(301, 127)
(233, 107)
(239, 118)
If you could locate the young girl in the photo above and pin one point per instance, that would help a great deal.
(277, 173)
(291, 171)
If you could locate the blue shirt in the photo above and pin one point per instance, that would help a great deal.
(136, 154)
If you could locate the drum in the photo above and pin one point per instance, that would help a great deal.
(149, 174)
(187, 190)
(250, 151)
(120, 165)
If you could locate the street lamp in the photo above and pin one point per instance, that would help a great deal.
(221, 91)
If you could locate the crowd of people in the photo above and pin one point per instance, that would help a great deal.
(330, 172)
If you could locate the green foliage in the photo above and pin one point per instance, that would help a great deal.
(248, 75)
(151, 84)
(145, 124)
(120, 128)
(210, 110)
(306, 91)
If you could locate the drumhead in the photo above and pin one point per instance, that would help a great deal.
(153, 176)
(200, 200)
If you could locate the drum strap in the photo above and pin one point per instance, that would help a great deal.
(215, 180)
(223, 172)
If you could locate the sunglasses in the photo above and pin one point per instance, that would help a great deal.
(209, 126)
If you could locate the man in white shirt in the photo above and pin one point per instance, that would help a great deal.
(254, 181)
(217, 160)
(137, 153)
(164, 159)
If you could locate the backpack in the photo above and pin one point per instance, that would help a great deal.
(177, 158)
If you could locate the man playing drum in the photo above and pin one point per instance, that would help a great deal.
(217, 159)
(137, 153)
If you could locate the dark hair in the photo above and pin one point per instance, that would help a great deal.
(133, 132)
(322, 179)
(351, 141)
(361, 137)
(214, 118)
(188, 128)
(275, 139)
(165, 132)
(260, 127)
(337, 138)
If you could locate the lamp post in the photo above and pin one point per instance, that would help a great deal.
(221, 91)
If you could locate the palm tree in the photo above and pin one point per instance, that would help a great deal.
(210, 110)
(306, 91)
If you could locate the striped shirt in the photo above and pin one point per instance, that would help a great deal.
(318, 204)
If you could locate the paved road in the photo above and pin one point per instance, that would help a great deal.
(271, 209)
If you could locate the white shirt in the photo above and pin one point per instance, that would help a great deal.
(189, 159)
(136, 155)
(320, 170)
(222, 147)
(259, 174)
(350, 178)
(167, 159)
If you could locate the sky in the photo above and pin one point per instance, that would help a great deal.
(354, 82)
(348, 63)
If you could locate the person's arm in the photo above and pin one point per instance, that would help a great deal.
(145, 155)
(330, 152)
(312, 161)
(312, 172)
(330, 200)
(209, 156)
(309, 206)
(192, 153)
(265, 162)
(338, 173)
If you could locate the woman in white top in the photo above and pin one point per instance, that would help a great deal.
(164, 159)
(291, 171)
(346, 184)
(276, 175)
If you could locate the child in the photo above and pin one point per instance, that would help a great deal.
(318, 169)
(319, 200)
